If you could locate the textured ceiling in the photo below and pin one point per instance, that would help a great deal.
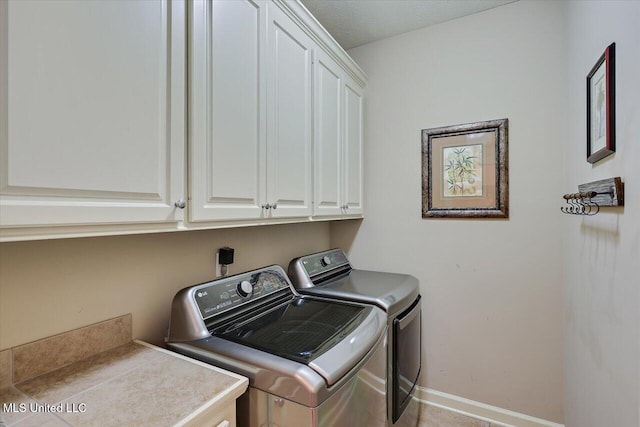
(356, 22)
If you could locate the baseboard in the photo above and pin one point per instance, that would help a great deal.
(470, 408)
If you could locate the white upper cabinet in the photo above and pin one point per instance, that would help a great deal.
(353, 146)
(250, 113)
(123, 116)
(338, 140)
(91, 113)
(289, 117)
(328, 138)
(227, 114)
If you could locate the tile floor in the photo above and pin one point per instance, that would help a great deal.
(433, 416)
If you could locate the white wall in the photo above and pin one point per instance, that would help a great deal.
(492, 289)
(53, 286)
(602, 253)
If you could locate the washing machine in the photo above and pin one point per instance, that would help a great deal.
(311, 361)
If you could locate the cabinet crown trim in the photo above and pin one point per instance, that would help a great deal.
(321, 36)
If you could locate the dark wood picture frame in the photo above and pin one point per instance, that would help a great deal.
(601, 104)
(465, 171)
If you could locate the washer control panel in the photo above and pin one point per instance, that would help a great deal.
(317, 264)
(224, 294)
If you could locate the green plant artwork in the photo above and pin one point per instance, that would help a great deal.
(462, 171)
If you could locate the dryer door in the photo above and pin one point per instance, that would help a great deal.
(407, 357)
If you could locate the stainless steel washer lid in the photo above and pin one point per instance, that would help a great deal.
(329, 274)
(306, 329)
(390, 291)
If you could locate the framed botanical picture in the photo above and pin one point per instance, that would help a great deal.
(601, 104)
(465, 171)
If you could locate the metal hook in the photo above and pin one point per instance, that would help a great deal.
(570, 204)
(583, 206)
(576, 204)
(590, 195)
(589, 205)
(565, 209)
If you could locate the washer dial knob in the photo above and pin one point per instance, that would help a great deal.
(325, 260)
(245, 288)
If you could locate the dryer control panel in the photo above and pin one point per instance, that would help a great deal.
(311, 270)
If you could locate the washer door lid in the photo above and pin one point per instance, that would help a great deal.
(304, 330)
(336, 362)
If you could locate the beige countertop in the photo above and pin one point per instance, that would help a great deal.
(135, 384)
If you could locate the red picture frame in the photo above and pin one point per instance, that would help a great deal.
(601, 103)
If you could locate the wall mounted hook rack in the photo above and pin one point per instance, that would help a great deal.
(593, 195)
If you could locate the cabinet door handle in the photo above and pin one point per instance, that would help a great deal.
(267, 206)
(274, 206)
(180, 204)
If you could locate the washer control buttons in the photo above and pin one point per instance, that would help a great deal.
(245, 288)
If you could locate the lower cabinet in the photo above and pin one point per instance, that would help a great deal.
(215, 416)
(227, 417)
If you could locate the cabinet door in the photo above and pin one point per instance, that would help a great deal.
(328, 154)
(290, 109)
(227, 167)
(353, 140)
(91, 112)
